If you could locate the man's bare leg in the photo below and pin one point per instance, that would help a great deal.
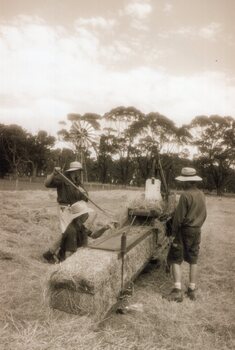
(176, 293)
(193, 274)
(176, 270)
(192, 281)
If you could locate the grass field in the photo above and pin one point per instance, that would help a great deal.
(28, 225)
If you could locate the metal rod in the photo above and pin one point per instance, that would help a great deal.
(163, 176)
(123, 251)
(77, 188)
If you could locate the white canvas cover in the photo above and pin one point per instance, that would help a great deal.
(153, 189)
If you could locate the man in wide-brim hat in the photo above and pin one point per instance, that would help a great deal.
(188, 219)
(73, 211)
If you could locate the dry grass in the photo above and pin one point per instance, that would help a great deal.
(29, 223)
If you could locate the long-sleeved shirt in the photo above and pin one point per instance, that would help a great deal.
(190, 211)
(66, 193)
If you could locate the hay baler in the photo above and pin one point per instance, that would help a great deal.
(91, 281)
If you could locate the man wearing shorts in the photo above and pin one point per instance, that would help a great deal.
(188, 219)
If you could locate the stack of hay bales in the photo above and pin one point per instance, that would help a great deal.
(89, 282)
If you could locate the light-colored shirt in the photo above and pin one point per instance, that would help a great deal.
(190, 211)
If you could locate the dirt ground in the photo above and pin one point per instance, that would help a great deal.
(29, 224)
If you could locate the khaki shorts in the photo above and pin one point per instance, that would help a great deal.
(185, 246)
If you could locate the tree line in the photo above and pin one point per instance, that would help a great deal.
(124, 146)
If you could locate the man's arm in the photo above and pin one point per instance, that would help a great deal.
(180, 213)
(52, 179)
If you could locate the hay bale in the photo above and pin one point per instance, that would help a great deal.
(89, 282)
(161, 207)
(142, 203)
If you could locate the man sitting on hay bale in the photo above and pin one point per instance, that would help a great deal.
(73, 211)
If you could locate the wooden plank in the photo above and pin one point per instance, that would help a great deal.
(113, 243)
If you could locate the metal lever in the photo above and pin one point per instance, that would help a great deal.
(123, 251)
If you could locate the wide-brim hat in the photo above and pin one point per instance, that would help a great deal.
(79, 208)
(188, 174)
(74, 166)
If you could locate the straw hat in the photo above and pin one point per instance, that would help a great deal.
(79, 208)
(75, 166)
(188, 174)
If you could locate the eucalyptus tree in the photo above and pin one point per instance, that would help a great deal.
(59, 157)
(183, 138)
(154, 135)
(118, 121)
(13, 146)
(22, 152)
(38, 151)
(106, 151)
(215, 138)
(120, 118)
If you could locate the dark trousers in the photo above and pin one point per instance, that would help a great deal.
(75, 236)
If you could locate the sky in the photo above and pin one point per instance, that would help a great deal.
(175, 57)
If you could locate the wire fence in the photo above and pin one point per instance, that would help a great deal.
(28, 183)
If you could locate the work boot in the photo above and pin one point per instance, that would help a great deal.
(191, 294)
(175, 295)
(50, 257)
